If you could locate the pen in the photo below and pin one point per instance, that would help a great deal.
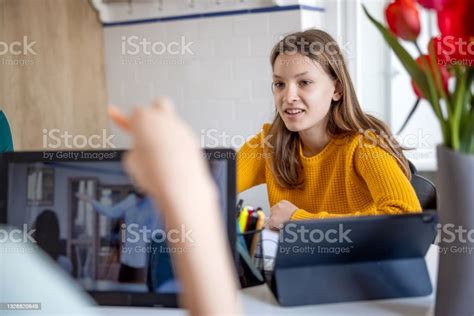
(239, 207)
(252, 221)
(251, 211)
(258, 227)
(251, 224)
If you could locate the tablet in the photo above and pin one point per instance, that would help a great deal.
(82, 209)
(353, 259)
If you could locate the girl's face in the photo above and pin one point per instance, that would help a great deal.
(303, 92)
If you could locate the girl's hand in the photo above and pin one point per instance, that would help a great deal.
(165, 159)
(281, 213)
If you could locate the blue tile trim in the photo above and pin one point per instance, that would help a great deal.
(216, 14)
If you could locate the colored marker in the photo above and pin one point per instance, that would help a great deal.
(260, 224)
(251, 224)
(243, 219)
(249, 218)
(252, 221)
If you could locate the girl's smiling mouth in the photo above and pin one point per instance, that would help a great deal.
(293, 112)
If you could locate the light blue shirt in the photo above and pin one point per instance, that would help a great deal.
(140, 215)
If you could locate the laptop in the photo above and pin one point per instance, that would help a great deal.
(82, 209)
(353, 259)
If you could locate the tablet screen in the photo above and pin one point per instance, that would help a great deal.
(99, 228)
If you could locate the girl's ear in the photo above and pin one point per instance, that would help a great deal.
(337, 92)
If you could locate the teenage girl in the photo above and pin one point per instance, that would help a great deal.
(323, 156)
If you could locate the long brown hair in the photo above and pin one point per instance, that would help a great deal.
(345, 115)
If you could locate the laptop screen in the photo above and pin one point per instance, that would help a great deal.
(95, 224)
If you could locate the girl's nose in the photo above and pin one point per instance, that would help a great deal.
(291, 94)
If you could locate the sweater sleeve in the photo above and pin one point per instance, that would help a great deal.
(389, 187)
(251, 162)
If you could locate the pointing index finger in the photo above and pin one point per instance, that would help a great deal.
(116, 115)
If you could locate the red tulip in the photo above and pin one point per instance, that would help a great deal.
(403, 19)
(450, 50)
(456, 19)
(445, 75)
(433, 4)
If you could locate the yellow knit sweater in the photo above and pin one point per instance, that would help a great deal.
(349, 177)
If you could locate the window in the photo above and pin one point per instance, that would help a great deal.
(40, 183)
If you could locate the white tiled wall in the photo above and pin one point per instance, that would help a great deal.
(223, 85)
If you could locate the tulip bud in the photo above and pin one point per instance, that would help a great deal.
(445, 75)
(455, 18)
(403, 19)
(433, 4)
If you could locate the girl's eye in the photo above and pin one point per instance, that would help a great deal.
(278, 85)
(304, 83)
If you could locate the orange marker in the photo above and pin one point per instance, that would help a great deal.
(119, 118)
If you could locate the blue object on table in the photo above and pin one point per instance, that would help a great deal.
(6, 142)
(161, 278)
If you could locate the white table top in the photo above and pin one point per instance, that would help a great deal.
(260, 301)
